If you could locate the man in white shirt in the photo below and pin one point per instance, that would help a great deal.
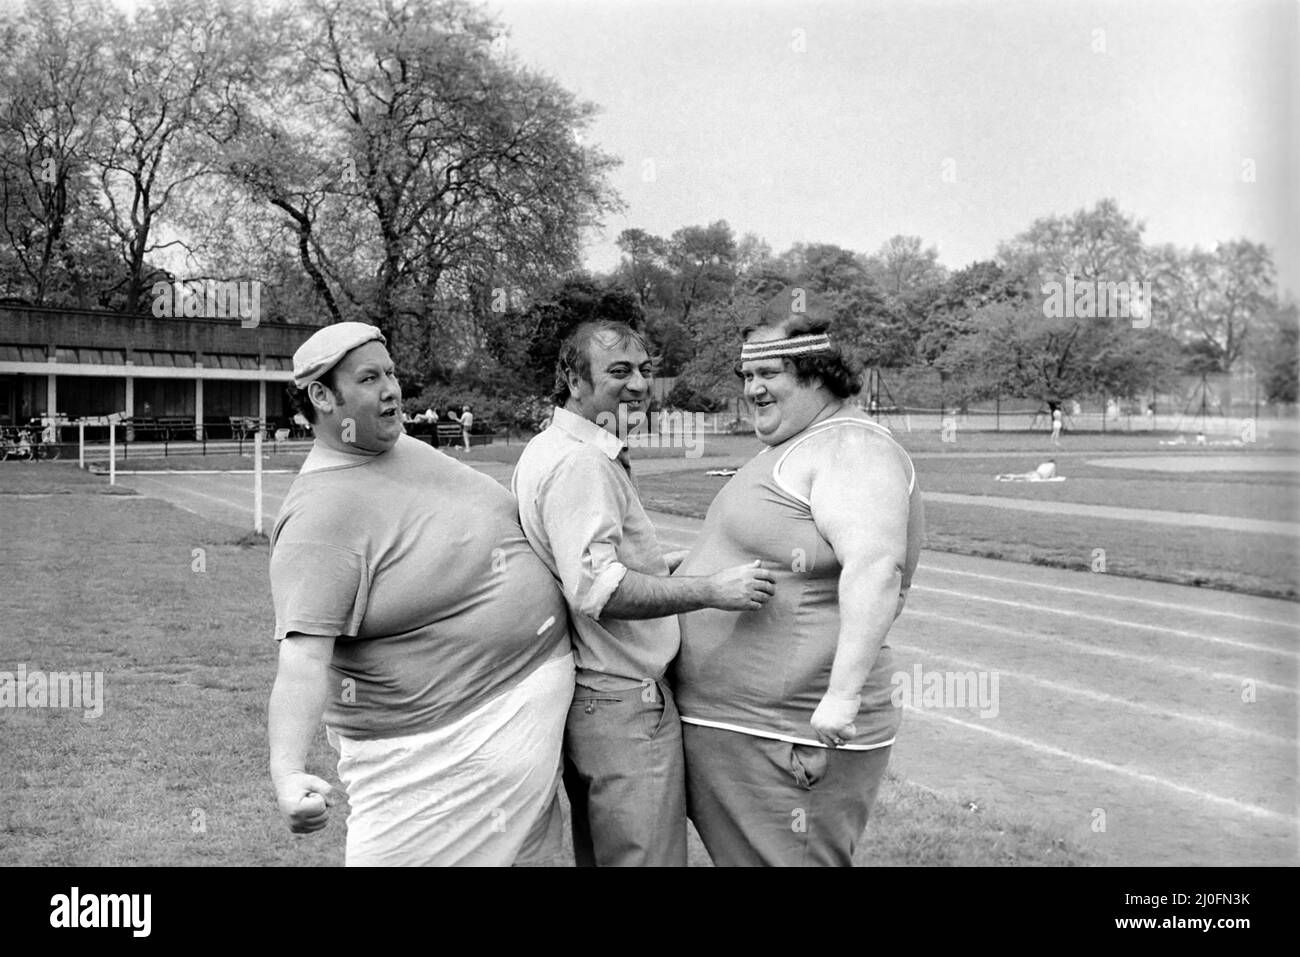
(466, 423)
(579, 509)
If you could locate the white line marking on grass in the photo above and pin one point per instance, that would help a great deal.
(1120, 622)
(671, 527)
(1108, 596)
(183, 508)
(238, 506)
(1157, 661)
(237, 487)
(1143, 776)
(205, 472)
(1100, 696)
(1120, 513)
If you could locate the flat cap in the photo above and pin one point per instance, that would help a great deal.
(327, 346)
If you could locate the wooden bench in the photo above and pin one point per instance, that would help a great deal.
(243, 426)
(160, 428)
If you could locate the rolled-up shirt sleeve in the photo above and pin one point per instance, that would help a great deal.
(582, 508)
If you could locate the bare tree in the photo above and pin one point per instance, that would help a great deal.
(53, 68)
(178, 69)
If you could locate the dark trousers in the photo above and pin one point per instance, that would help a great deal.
(624, 774)
(761, 802)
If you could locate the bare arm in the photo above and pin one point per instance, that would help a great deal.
(742, 588)
(860, 504)
(915, 539)
(293, 717)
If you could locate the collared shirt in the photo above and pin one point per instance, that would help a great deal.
(581, 513)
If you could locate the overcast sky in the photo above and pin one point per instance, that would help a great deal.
(837, 121)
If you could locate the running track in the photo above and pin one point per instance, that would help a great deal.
(1120, 721)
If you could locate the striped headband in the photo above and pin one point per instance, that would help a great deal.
(811, 344)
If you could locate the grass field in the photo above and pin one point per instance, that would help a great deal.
(1214, 558)
(176, 614)
(1245, 561)
(174, 610)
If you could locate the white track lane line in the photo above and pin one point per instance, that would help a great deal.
(1100, 696)
(1156, 661)
(1119, 622)
(1258, 526)
(1108, 596)
(677, 530)
(228, 503)
(1143, 776)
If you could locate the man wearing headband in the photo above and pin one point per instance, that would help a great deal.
(787, 715)
(413, 617)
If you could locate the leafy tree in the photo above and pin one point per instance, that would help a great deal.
(709, 376)
(753, 254)
(823, 267)
(684, 395)
(1101, 244)
(431, 167)
(965, 291)
(1011, 348)
(866, 322)
(672, 343)
(871, 327)
(1275, 354)
(643, 268)
(1216, 298)
(703, 262)
(901, 266)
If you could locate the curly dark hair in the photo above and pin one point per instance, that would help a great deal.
(840, 374)
(575, 352)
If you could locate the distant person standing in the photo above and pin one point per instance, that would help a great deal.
(431, 418)
(1056, 426)
(466, 423)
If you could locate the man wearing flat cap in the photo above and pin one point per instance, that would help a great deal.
(413, 617)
